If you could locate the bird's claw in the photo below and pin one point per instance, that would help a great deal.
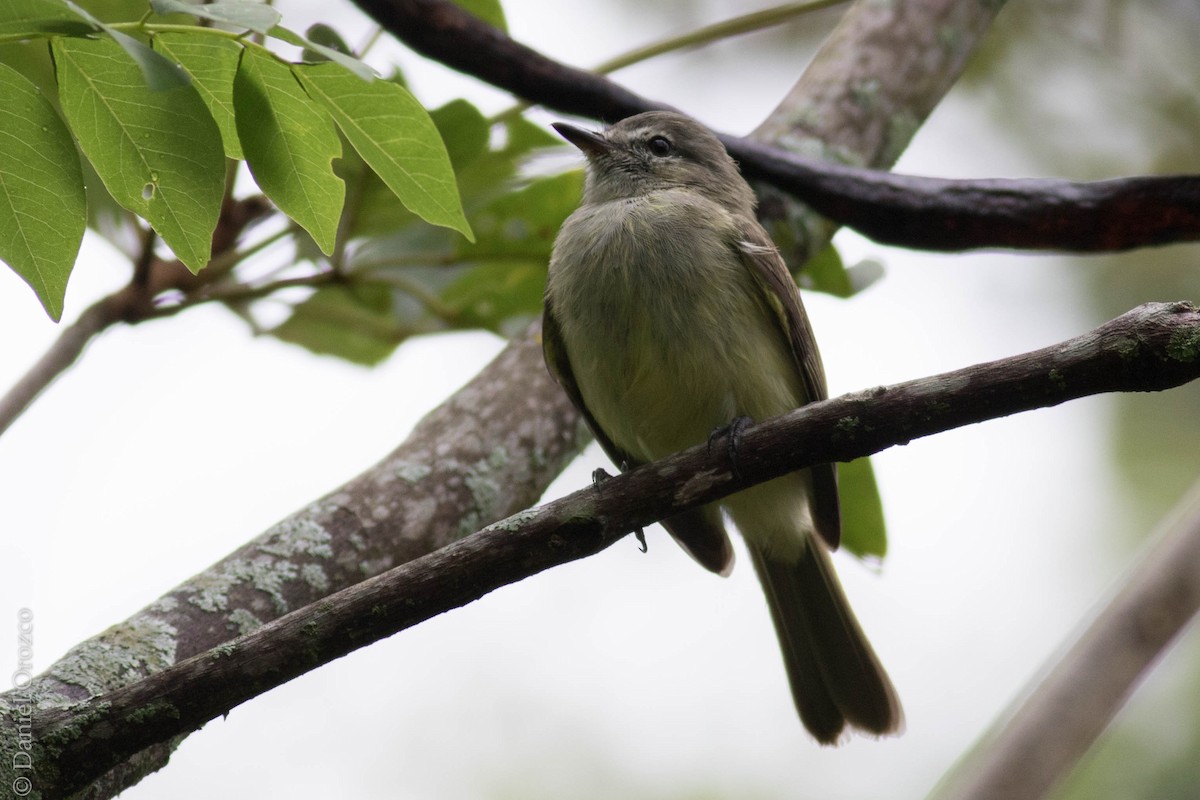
(733, 434)
(640, 535)
(599, 476)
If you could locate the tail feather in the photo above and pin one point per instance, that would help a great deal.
(835, 676)
(701, 533)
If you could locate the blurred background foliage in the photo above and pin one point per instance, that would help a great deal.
(1129, 69)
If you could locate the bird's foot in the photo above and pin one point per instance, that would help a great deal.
(733, 438)
(599, 476)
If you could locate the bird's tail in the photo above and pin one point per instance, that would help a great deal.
(835, 676)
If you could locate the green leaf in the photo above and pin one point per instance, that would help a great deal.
(827, 273)
(257, 17)
(290, 144)
(464, 131)
(489, 176)
(212, 62)
(523, 223)
(354, 323)
(351, 63)
(864, 274)
(326, 36)
(375, 210)
(437, 279)
(489, 11)
(524, 136)
(160, 73)
(158, 153)
(503, 286)
(864, 531)
(395, 136)
(39, 17)
(42, 207)
(500, 297)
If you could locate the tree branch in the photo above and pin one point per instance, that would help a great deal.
(955, 215)
(461, 468)
(908, 211)
(406, 503)
(446, 33)
(65, 350)
(1153, 347)
(133, 303)
(478, 457)
(1070, 707)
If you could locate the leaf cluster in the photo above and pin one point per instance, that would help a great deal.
(411, 278)
(157, 106)
(160, 107)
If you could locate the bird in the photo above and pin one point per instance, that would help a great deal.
(670, 318)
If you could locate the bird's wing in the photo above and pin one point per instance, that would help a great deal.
(699, 531)
(760, 256)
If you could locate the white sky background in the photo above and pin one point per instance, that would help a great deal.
(629, 675)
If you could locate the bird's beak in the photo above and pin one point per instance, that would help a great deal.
(591, 144)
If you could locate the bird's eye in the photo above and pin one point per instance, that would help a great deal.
(661, 146)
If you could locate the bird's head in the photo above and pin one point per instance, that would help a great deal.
(654, 151)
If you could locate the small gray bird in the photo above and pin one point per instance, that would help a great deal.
(670, 314)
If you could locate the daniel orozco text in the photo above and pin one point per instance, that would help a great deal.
(21, 702)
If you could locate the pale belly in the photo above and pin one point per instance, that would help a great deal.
(666, 387)
(653, 397)
(675, 345)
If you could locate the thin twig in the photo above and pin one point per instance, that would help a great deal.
(428, 300)
(145, 258)
(134, 303)
(737, 26)
(241, 292)
(56, 360)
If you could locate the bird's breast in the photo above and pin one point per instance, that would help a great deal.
(665, 329)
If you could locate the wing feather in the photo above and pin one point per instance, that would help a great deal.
(760, 256)
(700, 531)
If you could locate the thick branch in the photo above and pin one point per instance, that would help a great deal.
(955, 215)
(908, 211)
(1072, 705)
(444, 32)
(1151, 348)
(478, 457)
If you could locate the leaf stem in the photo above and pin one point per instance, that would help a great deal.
(441, 258)
(431, 302)
(370, 41)
(174, 27)
(242, 292)
(231, 257)
(747, 23)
